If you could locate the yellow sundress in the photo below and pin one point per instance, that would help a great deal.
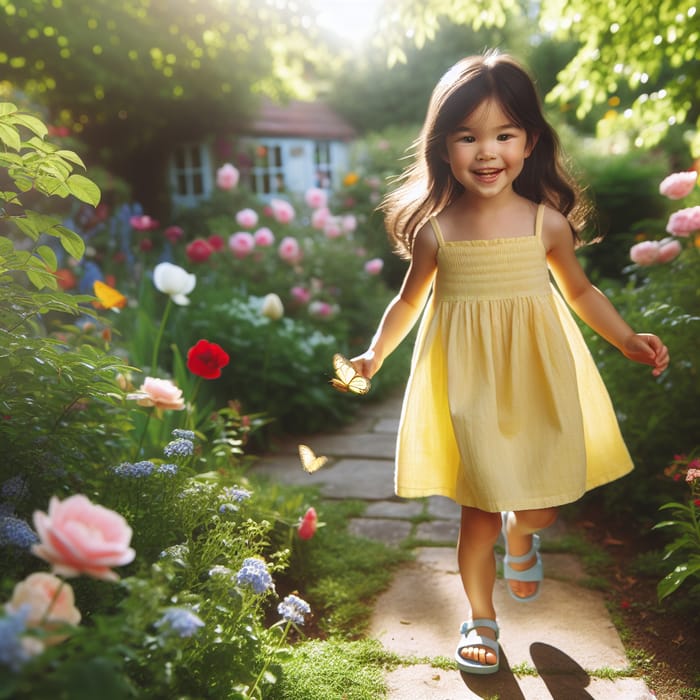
(504, 408)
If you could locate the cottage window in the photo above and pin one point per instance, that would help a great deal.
(323, 174)
(267, 174)
(190, 175)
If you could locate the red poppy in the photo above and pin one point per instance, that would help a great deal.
(206, 359)
(199, 250)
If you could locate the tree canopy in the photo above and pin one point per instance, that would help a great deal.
(637, 57)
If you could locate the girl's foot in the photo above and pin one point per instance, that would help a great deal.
(478, 651)
(522, 555)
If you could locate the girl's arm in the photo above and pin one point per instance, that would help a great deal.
(404, 309)
(590, 304)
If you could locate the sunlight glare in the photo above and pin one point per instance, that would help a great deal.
(353, 21)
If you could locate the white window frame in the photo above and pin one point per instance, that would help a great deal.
(268, 176)
(191, 181)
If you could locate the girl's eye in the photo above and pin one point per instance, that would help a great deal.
(467, 139)
(505, 137)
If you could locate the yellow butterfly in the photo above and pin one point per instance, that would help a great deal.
(346, 378)
(309, 460)
(109, 297)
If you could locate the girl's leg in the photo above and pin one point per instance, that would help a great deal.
(478, 533)
(520, 527)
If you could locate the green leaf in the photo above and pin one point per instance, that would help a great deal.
(9, 136)
(27, 227)
(71, 156)
(72, 243)
(84, 189)
(31, 123)
(7, 108)
(672, 581)
(41, 279)
(48, 256)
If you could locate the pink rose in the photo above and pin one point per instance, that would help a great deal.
(264, 237)
(308, 525)
(669, 248)
(349, 223)
(161, 393)
(247, 218)
(50, 601)
(78, 537)
(241, 244)
(227, 177)
(173, 233)
(645, 253)
(678, 185)
(301, 294)
(199, 250)
(282, 210)
(333, 227)
(289, 250)
(319, 218)
(143, 223)
(315, 197)
(321, 309)
(374, 266)
(684, 221)
(216, 242)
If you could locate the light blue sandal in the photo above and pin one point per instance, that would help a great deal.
(534, 574)
(471, 638)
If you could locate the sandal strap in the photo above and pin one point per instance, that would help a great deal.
(523, 558)
(471, 625)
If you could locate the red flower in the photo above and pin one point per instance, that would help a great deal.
(206, 359)
(308, 525)
(173, 233)
(199, 250)
(216, 242)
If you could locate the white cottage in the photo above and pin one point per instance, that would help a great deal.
(287, 149)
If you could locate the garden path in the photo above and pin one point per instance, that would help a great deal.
(562, 646)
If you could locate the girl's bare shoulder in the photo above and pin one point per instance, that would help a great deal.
(556, 229)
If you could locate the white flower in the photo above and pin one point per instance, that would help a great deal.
(174, 281)
(272, 307)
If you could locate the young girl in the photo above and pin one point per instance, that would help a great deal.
(504, 411)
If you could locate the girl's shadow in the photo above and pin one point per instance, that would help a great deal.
(564, 678)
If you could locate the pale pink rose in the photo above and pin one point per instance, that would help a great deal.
(308, 524)
(50, 602)
(264, 237)
(282, 210)
(322, 309)
(316, 198)
(319, 218)
(247, 218)
(645, 253)
(374, 266)
(669, 248)
(333, 227)
(289, 250)
(79, 537)
(241, 244)
(161, 393)
(349, 223)
(684, 221)
(678, 185)
(301, 294)
(227, 177)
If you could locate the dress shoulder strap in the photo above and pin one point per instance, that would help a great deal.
(538, 220)
(436, 231)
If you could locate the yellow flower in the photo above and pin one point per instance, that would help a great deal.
(350, 179)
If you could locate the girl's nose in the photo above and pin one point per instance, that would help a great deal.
(485, 155)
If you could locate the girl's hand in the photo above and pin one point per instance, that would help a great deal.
(367, 364)
(647, 349)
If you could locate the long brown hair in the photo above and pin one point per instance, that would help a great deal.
(428, 186)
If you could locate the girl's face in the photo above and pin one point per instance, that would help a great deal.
(486, 152)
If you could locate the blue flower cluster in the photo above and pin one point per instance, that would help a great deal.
(13, 653)
(181, 621)
(140, 470)
(179, 448)
(183, 434)
(13, 489)
(168, 469)
(293, 609)
(16, 532)
(237, 494)
(254, 574)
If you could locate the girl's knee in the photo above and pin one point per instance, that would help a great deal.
(480, 526)
(536, 519)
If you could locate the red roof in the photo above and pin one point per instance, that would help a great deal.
(302, 119)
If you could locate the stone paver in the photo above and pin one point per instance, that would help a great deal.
(560, 640)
